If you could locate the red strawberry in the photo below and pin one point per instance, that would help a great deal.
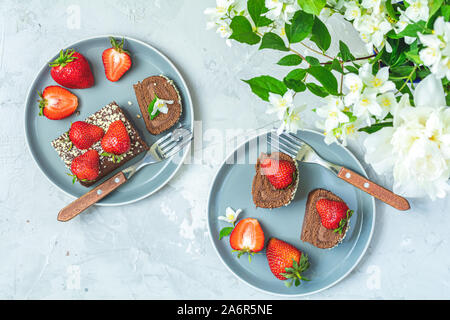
(116, 141)
(333, 214)
(83, 135)
(116, 60)
(57, 103)
(72, 70)
(85, 167)
(247, 237)
(281, 174)
(286, 262)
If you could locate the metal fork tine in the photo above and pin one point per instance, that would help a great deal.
(299, 141)
(166, 147)
(282, 149)
(179, 146)
(288, 146)
(163, 138)
(290, 141)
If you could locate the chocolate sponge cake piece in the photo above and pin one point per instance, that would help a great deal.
(102, 118)
(165, 89)
(312, 230)
(264, 194)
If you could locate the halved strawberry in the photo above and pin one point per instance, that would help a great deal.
(57, 103)
(83, 135)
(85, 167)
(116, 60)
(247, 237)
(116, 141)
(281, 173)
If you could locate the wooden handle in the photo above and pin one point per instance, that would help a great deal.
(373, 189)
(87, 200)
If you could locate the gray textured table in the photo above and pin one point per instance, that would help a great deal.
(160, 248)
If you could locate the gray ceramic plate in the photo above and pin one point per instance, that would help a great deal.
(232, 187)
(40, 131)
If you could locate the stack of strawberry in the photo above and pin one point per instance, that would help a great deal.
(71, 70)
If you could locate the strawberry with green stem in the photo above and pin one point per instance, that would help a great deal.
(247, 237)
(71, 70)
(334, 215)
(116, 60)
(85, 167)
(116, 141)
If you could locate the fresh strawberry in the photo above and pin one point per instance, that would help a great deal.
(247, 237)
(286, 262)
(333, 214)
(116, 60)
(85, 167)
(57, 103)
(281, 174)
(72, 70)
(83, 135)
(116, 141)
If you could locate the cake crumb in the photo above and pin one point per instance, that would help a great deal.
(130, 103)
(138, 116)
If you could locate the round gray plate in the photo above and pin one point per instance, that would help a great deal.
(232, 188)
(40, 131)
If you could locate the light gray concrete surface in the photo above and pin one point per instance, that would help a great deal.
(159, 247)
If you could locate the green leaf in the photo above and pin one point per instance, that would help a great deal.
(312, 6)
(150, 108)
(243, 31)
(290, 60)
(320, 35)
(446, 12)
(325, 77)
(225, 232)
(376, 127)
(317, 90)
(256, 9)
(271, 40)
(294, 80)
(263, 85)
(434, 6)
(410, 30)
(300, 27)
(390, 10)
(344, 52)
(312, 61)
(352, 69)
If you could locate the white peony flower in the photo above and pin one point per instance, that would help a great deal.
(230, 215)
(417, 147)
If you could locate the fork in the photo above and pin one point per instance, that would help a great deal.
(164, 148)
(301, 151)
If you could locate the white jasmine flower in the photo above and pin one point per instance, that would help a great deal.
(387, 102)
(436, 53)
(161, 106)
(417, 10)
(372, 4)
(352, 11)
(281, 10)
(292, 121)
(225, 32)
(379, 82)
(333, 114)
(281, 104)
(230, 215)
(355, 85)
(221, 9)
(417, 147)
(373, 29)
(367, 106)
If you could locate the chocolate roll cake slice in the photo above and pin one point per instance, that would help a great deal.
(312, 230)
(102, 118)
(264, 193)
(158, 87)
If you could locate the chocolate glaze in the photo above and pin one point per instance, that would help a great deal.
(313, 231)
(165, 89)
(102, 118)
(264, 194)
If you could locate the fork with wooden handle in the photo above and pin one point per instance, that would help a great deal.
(301, 151)
(167, 146)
